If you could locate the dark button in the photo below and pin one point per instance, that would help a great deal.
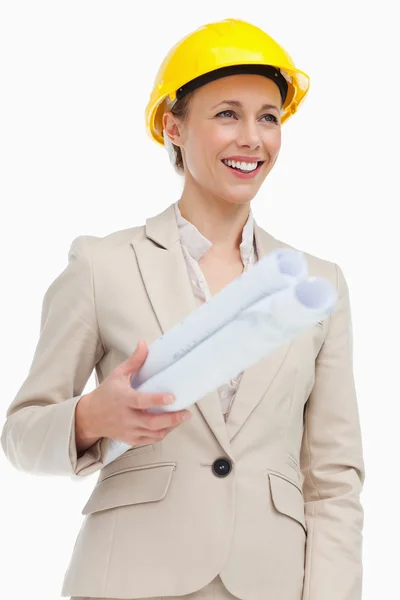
(222, 467)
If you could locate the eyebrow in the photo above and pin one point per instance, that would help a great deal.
(240, 105)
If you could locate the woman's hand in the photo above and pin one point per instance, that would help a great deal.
(115, 410)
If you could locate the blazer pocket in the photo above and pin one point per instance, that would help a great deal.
(287, 498)
(130, 485)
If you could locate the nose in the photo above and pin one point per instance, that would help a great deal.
(248, 135)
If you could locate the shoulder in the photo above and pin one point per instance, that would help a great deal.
(97, 246)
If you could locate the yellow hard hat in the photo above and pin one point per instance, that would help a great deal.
(216, 50)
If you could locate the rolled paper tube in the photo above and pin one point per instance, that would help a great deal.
(276, 271)
(252, 335)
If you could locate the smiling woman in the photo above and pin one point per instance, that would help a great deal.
(254, 491)
(218, 103)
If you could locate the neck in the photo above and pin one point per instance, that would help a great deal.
(220, 222)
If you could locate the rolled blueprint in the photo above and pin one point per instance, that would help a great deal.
(276, 271)
(253, 334)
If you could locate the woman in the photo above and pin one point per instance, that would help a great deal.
(257, 494)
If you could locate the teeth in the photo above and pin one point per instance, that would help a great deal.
(244, 166)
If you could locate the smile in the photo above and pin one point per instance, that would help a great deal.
(242, 169)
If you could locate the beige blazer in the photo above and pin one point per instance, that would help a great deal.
(285, 523)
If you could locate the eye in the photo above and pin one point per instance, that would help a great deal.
(272, 117)
(230, 113)
(225, 112)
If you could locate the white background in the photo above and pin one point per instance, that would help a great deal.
(75, 77)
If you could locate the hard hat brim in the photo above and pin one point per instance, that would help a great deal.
(294, 96)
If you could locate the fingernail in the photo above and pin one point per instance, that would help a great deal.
(168, 399)
(186, 417)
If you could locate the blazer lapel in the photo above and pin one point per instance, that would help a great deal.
(163, 268)
(257, 379)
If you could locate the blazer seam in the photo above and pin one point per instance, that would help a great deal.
(94, 299)
(337, 291)
(306, 424)
(110, 551)
(309, 461)
(310, 542)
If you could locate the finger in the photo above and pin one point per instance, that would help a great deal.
(154, 438)
(142, 400)
(142, 441)
(160, 434)
(133, 363)
(154, 422)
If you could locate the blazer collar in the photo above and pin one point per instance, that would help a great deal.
(197, 244)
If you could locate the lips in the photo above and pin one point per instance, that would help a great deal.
(248, 159)
(244, 174)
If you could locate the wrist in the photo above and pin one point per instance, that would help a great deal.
(85, 436)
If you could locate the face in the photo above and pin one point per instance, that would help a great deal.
(231, 121)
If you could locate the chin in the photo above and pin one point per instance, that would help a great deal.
(239, 194)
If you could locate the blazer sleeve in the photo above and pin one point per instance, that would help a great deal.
(38, 436)
(332, 466)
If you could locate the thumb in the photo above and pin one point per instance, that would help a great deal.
(135, 360)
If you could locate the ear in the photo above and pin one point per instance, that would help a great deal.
(171, 126)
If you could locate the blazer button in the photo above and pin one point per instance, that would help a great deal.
(222, 467)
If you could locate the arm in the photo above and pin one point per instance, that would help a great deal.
(332, 466)
(83, 440)
(39, 433)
